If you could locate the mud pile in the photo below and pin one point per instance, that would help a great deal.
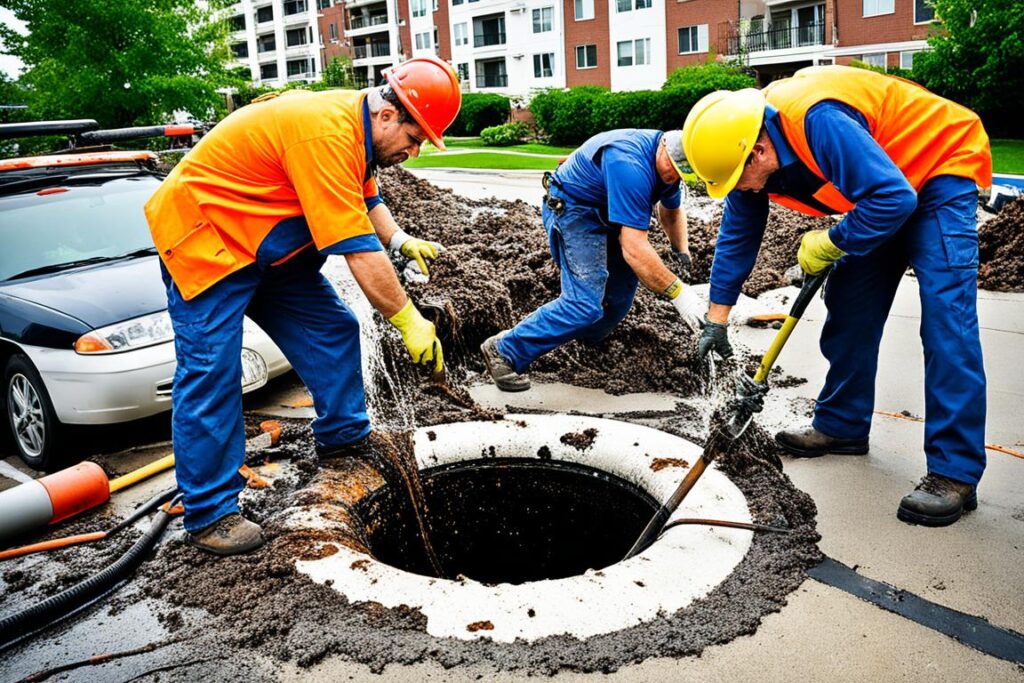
(1001, 250)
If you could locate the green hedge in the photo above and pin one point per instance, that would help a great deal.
(479, 111)
(505, 134)
(569, 117)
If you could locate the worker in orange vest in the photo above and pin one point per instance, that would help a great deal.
(903, 165)
(243, 225)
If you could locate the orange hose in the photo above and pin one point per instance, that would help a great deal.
(52, 545)
(990, 446)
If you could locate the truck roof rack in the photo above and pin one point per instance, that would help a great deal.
(35, 128)
(82, 131)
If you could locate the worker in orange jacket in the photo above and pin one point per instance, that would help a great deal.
(903, 165)
(243, 225)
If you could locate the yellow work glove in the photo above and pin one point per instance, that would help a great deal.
(691, 308)
(416, 249)
(419, 336)
(817, 252)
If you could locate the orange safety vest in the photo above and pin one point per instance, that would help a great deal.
(300, 154)
(925, 135)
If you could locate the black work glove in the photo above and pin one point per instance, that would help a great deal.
(749, 395)
(714, 337)
(683, 265)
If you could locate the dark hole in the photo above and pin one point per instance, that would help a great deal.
(510, 520)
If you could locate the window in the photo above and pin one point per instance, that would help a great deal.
(627, 5)
(295, 36)
(584, 9)
(873, 8)
(923, 12)
(874, 59)
(463, 70)
(544, 65)
(634, 52)
(423, 41)
(332, 32)
(542, 19)
(419, 8)
(693, 39)
(268, 71)
(265, 14)
(298, 67)
(461, 34)
(266, 43)
(323, 4)
(294, 7)
(237, 22)
(586, 56)
(907, 59)
(240, 50)
(437, 43)
(643, 4)
(456, 2)
(434, 6)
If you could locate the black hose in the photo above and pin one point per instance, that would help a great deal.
(143, 510)
(48, 611)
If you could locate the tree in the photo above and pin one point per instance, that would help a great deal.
(338, 74)
(121, 62)
(977, 59)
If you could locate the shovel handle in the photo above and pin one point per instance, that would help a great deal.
(812, 283)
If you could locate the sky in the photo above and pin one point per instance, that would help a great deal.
(10, 65)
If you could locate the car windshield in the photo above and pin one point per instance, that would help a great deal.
(87, 219)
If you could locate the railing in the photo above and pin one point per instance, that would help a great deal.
(494, 38)
(778, 39)
(373, 20)
(492, 81)
(372, 50)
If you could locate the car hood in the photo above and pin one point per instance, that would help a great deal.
(98, 295)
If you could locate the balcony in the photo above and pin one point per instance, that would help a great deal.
(360, 22)
(372, 50)
(485, 39)
(784, 38)
(492, 81)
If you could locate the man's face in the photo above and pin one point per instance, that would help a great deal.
(763, 161)
(394, 142)
(664, 166)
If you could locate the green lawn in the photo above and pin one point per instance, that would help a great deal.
(1008, 156)
(476, 143)
(492, 160)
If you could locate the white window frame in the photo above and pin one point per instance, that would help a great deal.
(423, 41)
(584, 53)
(908, 53)
(618, 6)
(633, 5)
(868, 57)
(538, 19)
(879, 7)
(618, 53)
(464, 39)
(583, 10)
(645, 45)
(538, 65)
(922, 22)
(418, 8)
(462, 69)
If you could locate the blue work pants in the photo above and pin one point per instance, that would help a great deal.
(300, 310)
(940, 242)
(598, 286)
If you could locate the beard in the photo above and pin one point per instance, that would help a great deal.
(383, 160)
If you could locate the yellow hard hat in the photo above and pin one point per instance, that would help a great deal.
(718, 135)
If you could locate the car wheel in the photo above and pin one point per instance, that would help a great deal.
(30, 414)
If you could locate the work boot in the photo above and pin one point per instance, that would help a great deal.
(357, 449)
(231, 535)
(810, 443)
(504, 376)
(937, 501)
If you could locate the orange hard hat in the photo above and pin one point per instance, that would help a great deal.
(429, 89)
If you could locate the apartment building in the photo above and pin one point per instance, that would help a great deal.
(515, 47)
(277, 40)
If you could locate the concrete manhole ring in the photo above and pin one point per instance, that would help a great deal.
(685, 565)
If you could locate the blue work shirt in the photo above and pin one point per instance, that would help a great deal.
(292, 234)
(614, 171)
(840, 140)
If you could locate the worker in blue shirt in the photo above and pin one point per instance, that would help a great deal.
(904, 166)
(596, 212)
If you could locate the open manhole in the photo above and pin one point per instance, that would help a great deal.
(510, 520)
(530, 516)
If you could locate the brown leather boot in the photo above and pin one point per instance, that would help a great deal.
(810, 443)
(231, 535)
(937, 501)
(501, 371)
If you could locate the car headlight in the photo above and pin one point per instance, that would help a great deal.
(128, 335)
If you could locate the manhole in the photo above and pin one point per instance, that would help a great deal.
(508, 498)
(511, 520)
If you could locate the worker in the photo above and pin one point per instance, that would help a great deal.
(243, 225)
(904, 166)
(596, 212)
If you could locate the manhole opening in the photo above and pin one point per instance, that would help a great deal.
(510, 520)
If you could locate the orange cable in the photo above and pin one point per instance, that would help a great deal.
(990, 446)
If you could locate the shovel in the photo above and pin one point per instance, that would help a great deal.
(741, 414)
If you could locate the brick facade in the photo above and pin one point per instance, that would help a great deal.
(336, 15)
(587, 32)
(717, 15)
(444, 32)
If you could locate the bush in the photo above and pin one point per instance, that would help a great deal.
(479, 111)
(710, 77)
(505, 134)
(889, 70)
(565, 115)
